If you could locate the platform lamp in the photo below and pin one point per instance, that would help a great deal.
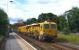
(8, 4)
(8, 15)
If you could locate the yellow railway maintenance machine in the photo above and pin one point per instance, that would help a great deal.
(48, 30)
(44, 30)
(22, 29)
(41, 31)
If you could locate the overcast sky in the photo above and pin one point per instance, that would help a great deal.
(24, 9)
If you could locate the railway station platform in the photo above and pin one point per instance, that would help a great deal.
(15, 42)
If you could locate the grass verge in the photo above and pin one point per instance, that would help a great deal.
(72, 38)
(1, 42)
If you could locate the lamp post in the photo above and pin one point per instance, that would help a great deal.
(8, 6)
(8, 15)
(11, 1)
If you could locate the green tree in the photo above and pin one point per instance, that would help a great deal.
(4, 22)
(47, 16)
(31, 20)
(42, 17)
(73, 19)
(62, 24)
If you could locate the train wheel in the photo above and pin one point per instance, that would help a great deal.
(37, 36)
(41, 38)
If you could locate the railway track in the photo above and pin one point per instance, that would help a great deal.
(42, 45)
(63, 47)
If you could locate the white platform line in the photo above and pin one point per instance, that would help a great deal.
(26, 42)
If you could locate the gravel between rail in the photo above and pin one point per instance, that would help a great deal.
(43, 45)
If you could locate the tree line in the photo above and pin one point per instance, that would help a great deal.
(67, 22)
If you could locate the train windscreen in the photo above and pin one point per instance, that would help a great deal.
(53, 26)
(46, 26)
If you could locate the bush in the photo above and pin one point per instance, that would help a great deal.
(4, 22)
(66, 30)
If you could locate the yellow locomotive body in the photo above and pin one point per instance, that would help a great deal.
(22, 29)
(44, 30)
(48, 30)
(41, 31)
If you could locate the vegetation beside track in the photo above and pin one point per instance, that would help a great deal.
(4, 23)
(2, 42)
(1, 37)
(71, 38)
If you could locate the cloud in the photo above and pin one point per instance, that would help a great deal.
(24, 9)
(14, 20)
(44, 1)
(48, 1)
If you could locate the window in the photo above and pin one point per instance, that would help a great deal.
(46, 26)
(53, 26)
